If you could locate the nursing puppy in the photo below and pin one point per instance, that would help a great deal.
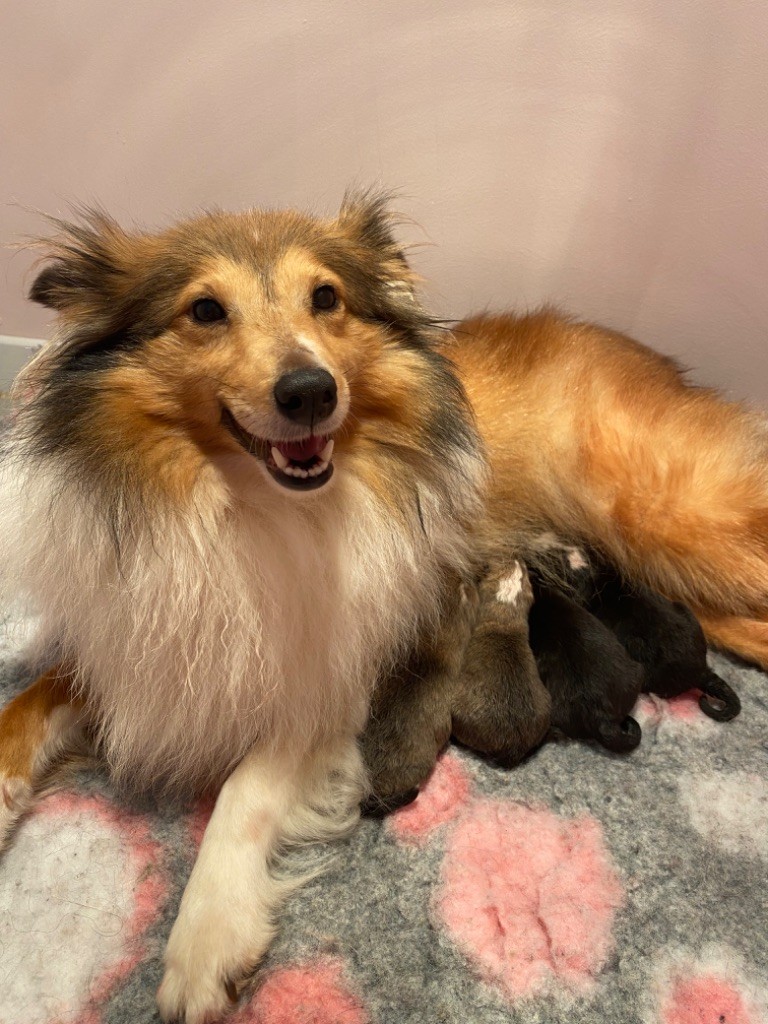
(662, 635)
(666, 639)
(475, 679)
(593, 682)
(411, 709)
(499, 704)
(219, 589)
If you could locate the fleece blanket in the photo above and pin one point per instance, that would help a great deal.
(580, 886)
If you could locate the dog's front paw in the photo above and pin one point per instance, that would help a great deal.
(192, 996)
(207, 954)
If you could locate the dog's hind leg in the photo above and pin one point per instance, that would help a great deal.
(36, 729)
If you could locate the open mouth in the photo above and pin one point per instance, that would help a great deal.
(298, 465)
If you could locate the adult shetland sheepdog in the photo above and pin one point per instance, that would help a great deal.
(245, 477)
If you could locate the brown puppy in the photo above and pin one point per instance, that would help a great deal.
(476, 680)
(410, 720)
(500, 706)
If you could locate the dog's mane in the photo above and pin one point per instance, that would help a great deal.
(222, 627)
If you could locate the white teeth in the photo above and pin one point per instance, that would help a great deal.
(284, 465)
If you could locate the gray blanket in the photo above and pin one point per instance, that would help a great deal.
(579, 887)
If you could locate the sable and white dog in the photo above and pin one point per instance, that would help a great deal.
(241, 485)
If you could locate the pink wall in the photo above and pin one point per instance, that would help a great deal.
(611, 156)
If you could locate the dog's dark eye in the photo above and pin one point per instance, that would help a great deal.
(324, 297)
(207, 311)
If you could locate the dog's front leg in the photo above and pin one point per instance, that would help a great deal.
(227, 915)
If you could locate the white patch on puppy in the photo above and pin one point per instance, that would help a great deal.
(576, 559)
(511, 587)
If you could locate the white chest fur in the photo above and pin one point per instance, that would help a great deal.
(218, 630)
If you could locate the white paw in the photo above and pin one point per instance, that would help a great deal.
(15, 798)
(193, 998)
(203, 960)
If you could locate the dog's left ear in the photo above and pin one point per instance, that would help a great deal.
(366, 215)
(367, 220)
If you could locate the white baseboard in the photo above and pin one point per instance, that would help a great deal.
(14, 353)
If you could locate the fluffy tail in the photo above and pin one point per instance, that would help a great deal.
(743, 636)
(675, 491)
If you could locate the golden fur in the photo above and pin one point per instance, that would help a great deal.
(598, 439)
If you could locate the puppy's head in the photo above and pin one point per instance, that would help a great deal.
(277, 336)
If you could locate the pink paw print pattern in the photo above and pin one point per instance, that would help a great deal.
(312, 993)
(87, 883)
(654, 713)
(706, 999)
(712, 987)
(529, 897)
(441, 799)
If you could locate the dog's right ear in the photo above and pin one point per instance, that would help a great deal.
(93, 265)
(366, 215)
(49, 287)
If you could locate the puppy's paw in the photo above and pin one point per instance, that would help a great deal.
(207, 953)
(16, 796)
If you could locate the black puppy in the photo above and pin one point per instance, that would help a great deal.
(593, 682)
(666, 638)
(663, 636)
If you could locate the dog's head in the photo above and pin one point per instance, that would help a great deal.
(287, 337)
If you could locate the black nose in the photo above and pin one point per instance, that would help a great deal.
(306, 396)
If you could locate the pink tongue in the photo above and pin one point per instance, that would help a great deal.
(301, 451)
